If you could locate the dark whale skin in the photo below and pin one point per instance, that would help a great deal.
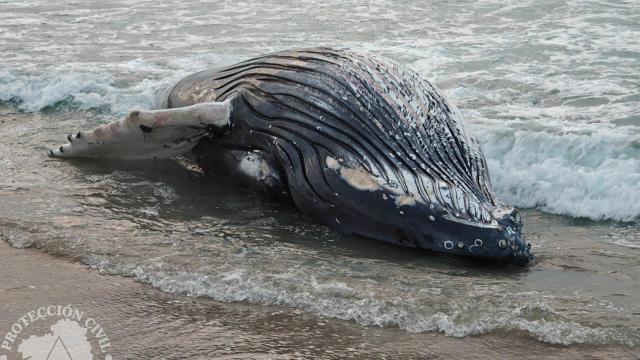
(360, 144)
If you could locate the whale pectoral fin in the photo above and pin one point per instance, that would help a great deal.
(149, 134)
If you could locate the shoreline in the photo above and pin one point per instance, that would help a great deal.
(142, 321)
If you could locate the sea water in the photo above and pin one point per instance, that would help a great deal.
(550, 88)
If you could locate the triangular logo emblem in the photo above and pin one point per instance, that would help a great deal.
(59, 351)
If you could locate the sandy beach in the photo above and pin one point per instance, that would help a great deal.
(143, 322)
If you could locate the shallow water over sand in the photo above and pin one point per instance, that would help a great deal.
(550, 91)
(148, 323)
(159, 223)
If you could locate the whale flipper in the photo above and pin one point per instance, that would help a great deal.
(149, 134)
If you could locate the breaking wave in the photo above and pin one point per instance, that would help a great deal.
(80, 89)
(338, 300)
(592, 173)
(138, 84)
(578, 169)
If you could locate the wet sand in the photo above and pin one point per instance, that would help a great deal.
(143, 322)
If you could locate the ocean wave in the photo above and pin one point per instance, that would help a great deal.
(578, 169)
(84, 90)
(338, 300)
(110, 88)
(591, 171)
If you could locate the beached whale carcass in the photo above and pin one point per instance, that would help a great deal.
(355, 141)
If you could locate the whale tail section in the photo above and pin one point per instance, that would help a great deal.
(149, 134)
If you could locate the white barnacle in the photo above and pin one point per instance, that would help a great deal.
(332, 163)
(432, 218)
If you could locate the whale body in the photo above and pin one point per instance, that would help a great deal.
(355, 141)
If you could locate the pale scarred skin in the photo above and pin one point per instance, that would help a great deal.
(148, 134)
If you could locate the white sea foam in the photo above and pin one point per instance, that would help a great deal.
(340, 301)
(83, 89)
(112, 88)
(17, 238)
(592, 171)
